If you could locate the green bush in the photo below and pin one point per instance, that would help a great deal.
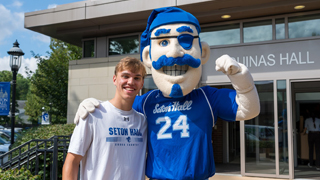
(44, 132)
(16, 174)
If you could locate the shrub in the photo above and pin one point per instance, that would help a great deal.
(18, 174)
(44, 132)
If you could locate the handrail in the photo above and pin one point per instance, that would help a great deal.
(26, 153)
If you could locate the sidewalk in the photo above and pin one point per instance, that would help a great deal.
(238, 177)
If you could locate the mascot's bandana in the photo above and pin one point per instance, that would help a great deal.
(164, 16)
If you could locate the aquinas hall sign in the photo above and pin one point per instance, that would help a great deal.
(276, 59)
(273, 57)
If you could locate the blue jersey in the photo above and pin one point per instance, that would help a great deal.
(180, 129)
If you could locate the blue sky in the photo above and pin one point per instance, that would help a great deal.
(12, 28)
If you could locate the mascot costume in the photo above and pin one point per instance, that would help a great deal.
(180, 118)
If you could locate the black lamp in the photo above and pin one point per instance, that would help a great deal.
(15, 62)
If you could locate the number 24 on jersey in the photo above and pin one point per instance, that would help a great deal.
(181, 124)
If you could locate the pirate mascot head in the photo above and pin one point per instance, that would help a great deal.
(171, 47)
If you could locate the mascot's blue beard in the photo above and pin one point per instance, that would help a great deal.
(176, 91)
(186, 59)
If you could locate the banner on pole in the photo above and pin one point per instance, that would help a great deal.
(45, 118)
(4, 98)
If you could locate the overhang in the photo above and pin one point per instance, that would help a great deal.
(85, 19)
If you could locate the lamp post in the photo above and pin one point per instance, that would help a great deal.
(50, 115)
(15, 62)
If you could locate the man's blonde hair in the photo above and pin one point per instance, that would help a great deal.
(132, 64)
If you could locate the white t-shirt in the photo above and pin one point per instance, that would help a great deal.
(310, 126)
(112, 143)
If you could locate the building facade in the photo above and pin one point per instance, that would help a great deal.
(278, 40)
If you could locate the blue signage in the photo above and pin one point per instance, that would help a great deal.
(4, 98)
(45, 118)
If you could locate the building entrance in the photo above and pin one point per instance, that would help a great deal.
(226, 144)
(305, 102)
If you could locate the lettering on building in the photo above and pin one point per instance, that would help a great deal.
(281, 59)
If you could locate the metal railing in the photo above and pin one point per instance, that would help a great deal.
(40, 156)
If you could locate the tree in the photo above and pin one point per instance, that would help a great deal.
(5, 76)
(49, 83)
(22, 87)
(22, 84)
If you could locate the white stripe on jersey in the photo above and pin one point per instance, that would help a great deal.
(209, 105)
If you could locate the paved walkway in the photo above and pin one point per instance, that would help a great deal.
(218, 176)
(238, 177)
(235, 177)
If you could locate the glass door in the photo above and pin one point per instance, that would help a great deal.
(260, 134)
(226, 144)
(305, 102)
(282, 126)
(265, 137)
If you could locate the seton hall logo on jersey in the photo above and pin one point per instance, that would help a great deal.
(176, 106)
(128, 139)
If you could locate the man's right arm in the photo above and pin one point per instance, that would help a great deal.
(71, 167)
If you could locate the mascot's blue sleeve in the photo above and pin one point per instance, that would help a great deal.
(223, 102)
(138, 102)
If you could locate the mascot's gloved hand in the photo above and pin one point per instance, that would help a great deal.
(85, 107)
(227, 65)
(238, 73)
(247, 96)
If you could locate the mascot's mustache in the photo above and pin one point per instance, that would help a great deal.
(170, 61)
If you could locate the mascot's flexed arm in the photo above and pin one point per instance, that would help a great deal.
(180, 118)
(241, 80)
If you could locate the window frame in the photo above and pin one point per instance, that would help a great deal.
(273, 18)
(121, 36)
(94, 45)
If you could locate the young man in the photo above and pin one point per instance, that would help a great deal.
(111, 142)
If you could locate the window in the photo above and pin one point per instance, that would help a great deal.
(280, 29)
(88, 48)
(221, 35)
(148, 84)
(304, 26)
(124, 45)
(257, 31)
(271, 28)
